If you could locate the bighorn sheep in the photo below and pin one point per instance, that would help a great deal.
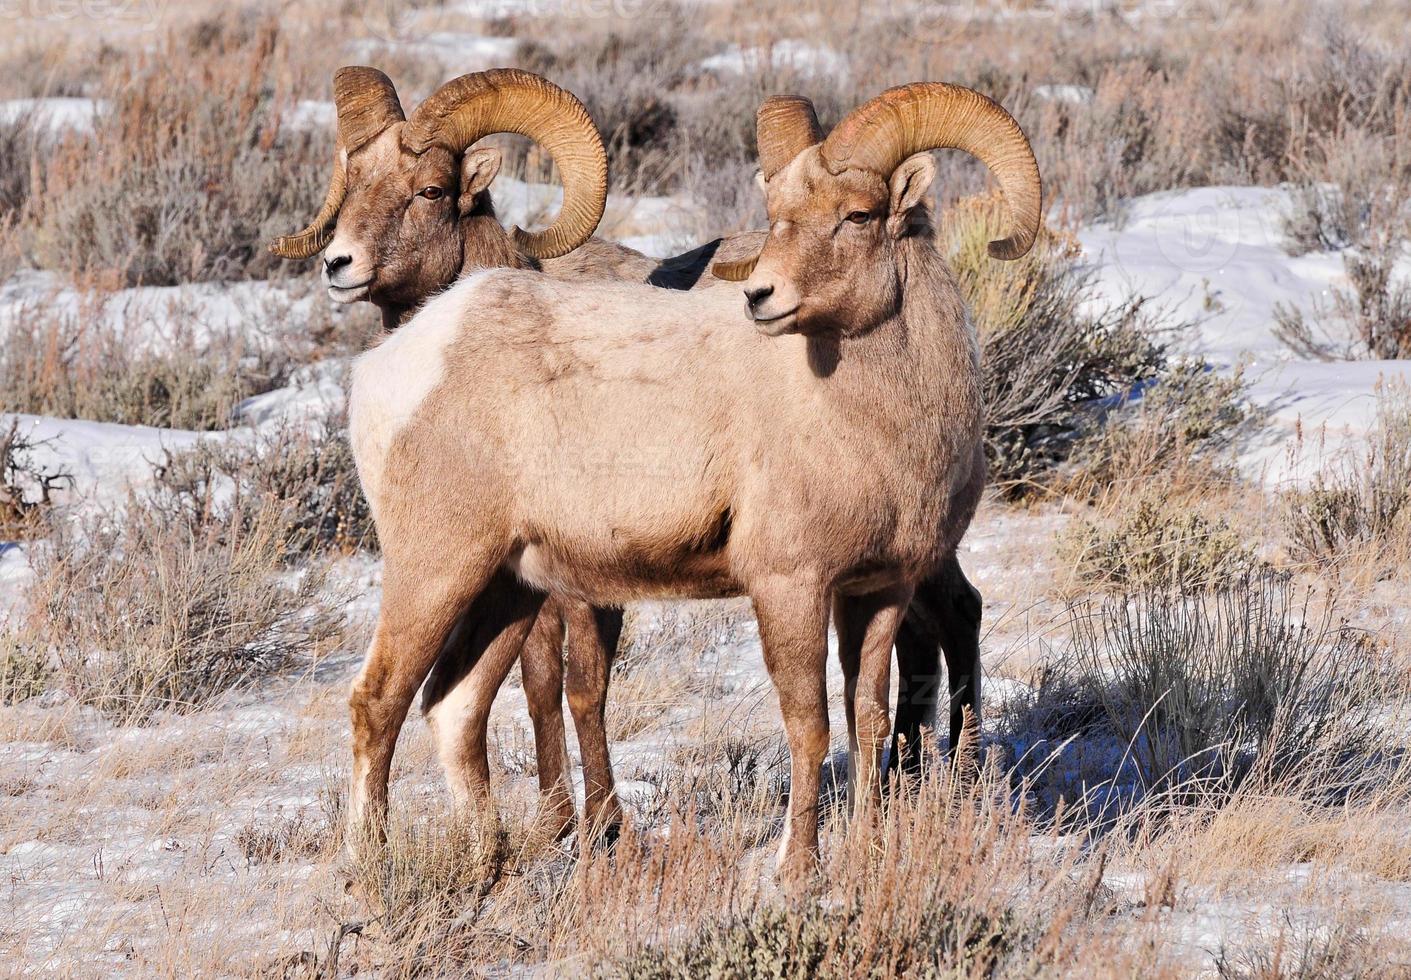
(394, 255)
(612, 441)
(402, 221)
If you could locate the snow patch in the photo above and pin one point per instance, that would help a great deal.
(466, 52)
(1071, 94)
(54, 115)
(1218, 257)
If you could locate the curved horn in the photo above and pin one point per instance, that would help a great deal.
(737, 271)
(883, 132)
(785, 126)
(367, 104)
(506, 100)
(315, 237)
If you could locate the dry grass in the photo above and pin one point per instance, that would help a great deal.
(194, 844)
(1187, 696)
(189, 172)
(133, 614)
(1375, 311)
(1180, 428)
(1246, 93)
(1358, 513)
(1159, 542)
(140, 362)
(1046, 360)
(301, 471)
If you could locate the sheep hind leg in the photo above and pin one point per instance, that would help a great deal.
(458, 697)
(416, 618)
(593, 635)
(944, 618)
(867, 628)
(541, 665)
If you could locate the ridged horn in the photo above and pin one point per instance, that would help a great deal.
(785, 126)
(316, 236)
(881, 133)
(367, 104)
(507, 100)
(737, 271)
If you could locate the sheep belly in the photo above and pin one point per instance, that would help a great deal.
(627, 524)
(621, 577)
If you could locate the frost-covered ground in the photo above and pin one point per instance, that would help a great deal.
(109, 834)
(1218, 257)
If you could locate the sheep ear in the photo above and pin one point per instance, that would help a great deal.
(909, 184)
(478, 169)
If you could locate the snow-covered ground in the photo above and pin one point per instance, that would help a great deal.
(55, 114)
(1217, 257)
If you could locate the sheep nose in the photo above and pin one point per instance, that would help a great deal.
(333, 263)
(758, 295)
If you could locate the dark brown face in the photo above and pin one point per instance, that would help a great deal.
(400, 234)
(828, 265)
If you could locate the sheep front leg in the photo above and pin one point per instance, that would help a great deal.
(793, 628)
(593, 634)
(867, 627)
(418, 612)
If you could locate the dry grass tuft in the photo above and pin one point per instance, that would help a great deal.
(134, 614)
(296, 838)
(1180, 428)
(1376, 311)
(1157, 542)
(303, 472)
(1196, 694)
(1359, 512)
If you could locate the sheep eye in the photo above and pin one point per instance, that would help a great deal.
(860, 217)
(432, 193)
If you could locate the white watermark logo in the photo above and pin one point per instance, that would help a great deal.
(142, 12)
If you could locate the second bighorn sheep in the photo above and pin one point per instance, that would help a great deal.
(396, 246)
(612, 442)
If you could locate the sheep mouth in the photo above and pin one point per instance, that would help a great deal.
(773, 326)
(349, 294)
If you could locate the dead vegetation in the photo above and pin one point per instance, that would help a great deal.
(138, 362)
(301, 471)
(1370, 318)
(1200, 727)
(188, 171)
(1155, 542)
(27, 484)
(1359, 510)
(1195, 692)
(135, 614)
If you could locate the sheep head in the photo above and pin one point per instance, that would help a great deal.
(408, 207)
(841, 207)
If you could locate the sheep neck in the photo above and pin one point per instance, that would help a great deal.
(924, 355)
